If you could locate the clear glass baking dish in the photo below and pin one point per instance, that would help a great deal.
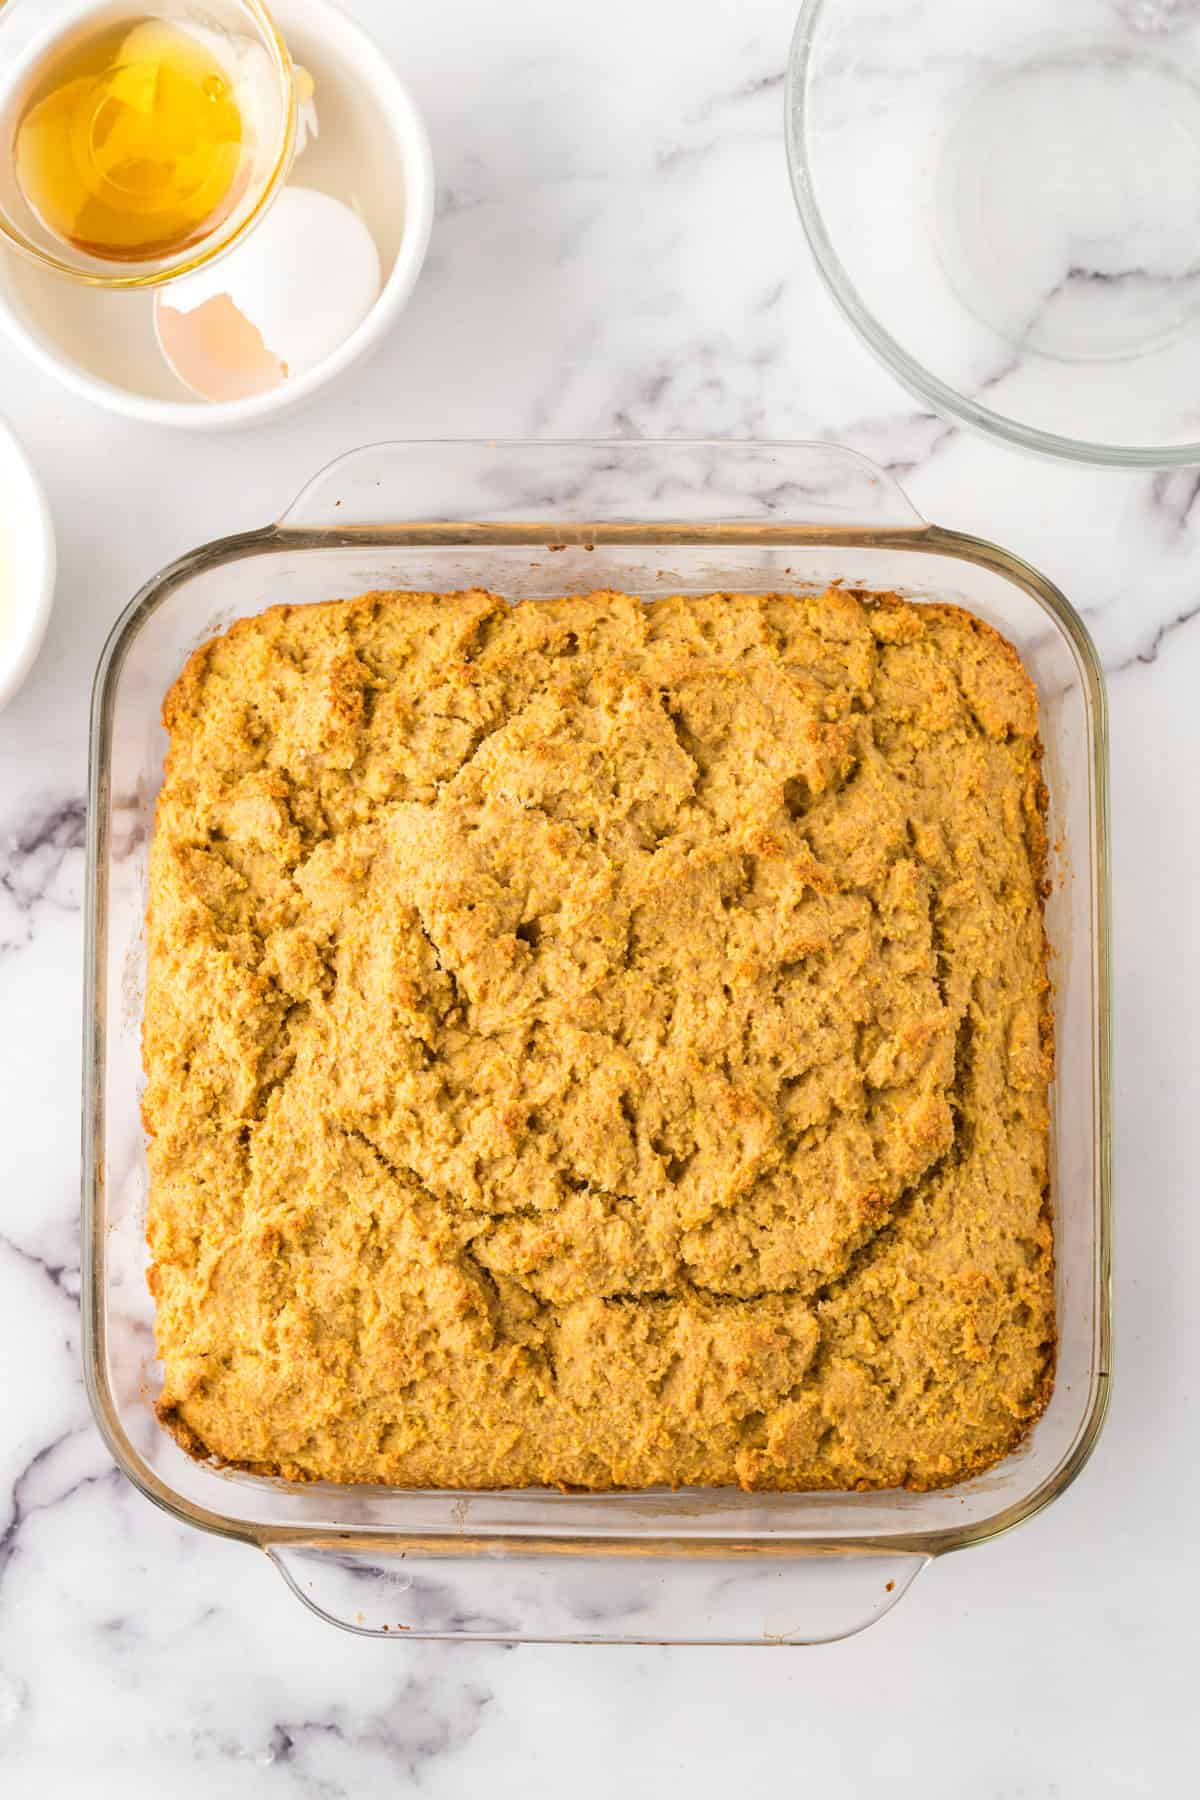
(542, 519)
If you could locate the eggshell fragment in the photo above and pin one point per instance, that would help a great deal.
(282, 301)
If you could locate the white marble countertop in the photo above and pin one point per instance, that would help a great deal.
(616, 252)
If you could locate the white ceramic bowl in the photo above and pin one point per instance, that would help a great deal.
(102, 346)
(27, 564)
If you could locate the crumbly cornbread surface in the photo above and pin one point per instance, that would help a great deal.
(601, 1044)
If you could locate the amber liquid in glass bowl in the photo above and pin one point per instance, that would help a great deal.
(136, 146)
(132, 144)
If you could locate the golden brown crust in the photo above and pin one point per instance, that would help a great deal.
(601, 1045)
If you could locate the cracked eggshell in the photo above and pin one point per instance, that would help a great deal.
(281, 302)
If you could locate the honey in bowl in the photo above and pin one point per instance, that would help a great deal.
(132, 145)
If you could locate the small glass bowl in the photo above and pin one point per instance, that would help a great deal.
(1005, 202)
(266, 88)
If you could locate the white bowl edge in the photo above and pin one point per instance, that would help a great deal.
(27, 549)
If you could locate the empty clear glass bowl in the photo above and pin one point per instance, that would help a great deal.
(1005, 202)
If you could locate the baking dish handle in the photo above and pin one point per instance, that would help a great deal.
(610, 1595)
(632, 482)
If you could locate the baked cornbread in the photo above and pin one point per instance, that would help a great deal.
(600, 1044)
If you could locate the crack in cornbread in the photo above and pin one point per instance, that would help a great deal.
(600, 1044)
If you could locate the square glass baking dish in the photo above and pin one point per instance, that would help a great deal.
(539, 519)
